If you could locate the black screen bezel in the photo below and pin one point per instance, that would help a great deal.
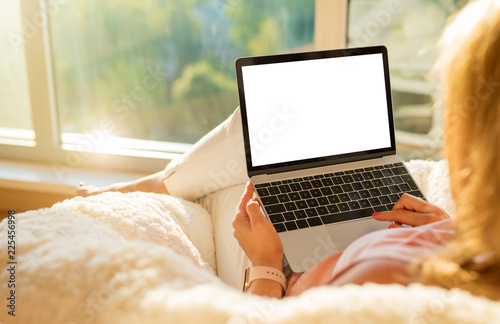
(321, 161)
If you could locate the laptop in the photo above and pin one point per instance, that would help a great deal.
(320, 149)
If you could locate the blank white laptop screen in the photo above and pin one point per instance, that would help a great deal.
(316, 108)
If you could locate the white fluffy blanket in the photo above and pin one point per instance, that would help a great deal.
(147, 258)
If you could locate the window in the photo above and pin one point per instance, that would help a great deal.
(163, 70)
(128, 84)
(15, 118)
(410, 30)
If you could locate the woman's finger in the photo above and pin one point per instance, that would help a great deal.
(247, 195)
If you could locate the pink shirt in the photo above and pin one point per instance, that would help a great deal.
(399, 244)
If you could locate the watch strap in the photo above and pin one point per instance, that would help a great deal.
(263, 272)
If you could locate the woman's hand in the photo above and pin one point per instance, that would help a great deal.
(255, 234)
(412, 211)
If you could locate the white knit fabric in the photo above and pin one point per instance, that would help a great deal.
(146, 258)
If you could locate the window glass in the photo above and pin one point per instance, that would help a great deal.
(163, 70)
(15, 116)
(410, 30)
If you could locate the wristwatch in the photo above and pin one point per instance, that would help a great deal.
(262, 272)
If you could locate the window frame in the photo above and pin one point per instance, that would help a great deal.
(330, 33)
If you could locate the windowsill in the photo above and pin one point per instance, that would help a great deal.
(43, 178)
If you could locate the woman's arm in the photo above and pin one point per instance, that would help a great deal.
(260, 241)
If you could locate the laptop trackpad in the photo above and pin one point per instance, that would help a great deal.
(345, 233)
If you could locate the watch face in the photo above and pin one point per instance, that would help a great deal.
(245, 280)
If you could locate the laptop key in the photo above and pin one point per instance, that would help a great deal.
(381, 208)
(294, 196)
(289, 216)
(326, 191)
(316, 221)
(364, 194)
(412, 184)
(374, 201)
(384, 200)
(354, 205)
(317, 184)
(315, 192)
(377, 174)
(332, 209)
(301, 204)
(269, 200)
(274, 190)
(306, 185)
(302, 223)
(337, 180)
(374, 192)
(290, 206)
(384, 191)
(364, 203)
(397, 180)
(417, 193)
(280, 227)
(295, 187)
(263, 192)
(390, 206)
(367, 175)
(377, 183)
(312, 202)
(343, 207)
(387, 181)
(291, 226)
(276, 218)
(327, 182)
(300, 214)
(367, 184)
(262, 185)
(283, 198)
(336, 189)
(347, 187)
(322, 210)
(404, 187)
(347, 178)
(285, 188)
(399, 170)
(357, 177)
(305, 194)
(311, 212)
(323, 201)
(394, 189)
(394, 198)
(333, 199)
(387, 173)
(357, 185)
(354, 214)
(354, 196)
(274, 209)
(344, 197)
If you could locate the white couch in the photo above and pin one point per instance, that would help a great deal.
(147, 258)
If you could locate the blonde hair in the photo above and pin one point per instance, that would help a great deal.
(469, 71)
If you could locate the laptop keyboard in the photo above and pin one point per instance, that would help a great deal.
(335, 197)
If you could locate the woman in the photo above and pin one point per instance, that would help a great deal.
(463, 252)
